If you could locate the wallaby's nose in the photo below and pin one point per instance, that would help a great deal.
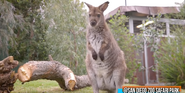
(93, 23)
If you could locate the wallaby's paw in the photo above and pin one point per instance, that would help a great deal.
(94, 55)
(101, 57)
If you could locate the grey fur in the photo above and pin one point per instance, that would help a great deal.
(105, 60)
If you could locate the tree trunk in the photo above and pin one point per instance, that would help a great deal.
(52, 70)
(7, 76)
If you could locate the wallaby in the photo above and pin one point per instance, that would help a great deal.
(105, 61)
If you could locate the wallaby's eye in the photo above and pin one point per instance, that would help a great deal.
(89, 15)
(98, 15)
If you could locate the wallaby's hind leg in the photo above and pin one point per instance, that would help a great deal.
(91, 74)
(119, 77)
(94, 84)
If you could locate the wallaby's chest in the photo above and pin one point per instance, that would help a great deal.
(95, 39)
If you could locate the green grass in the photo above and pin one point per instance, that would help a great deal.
(183, 91)
(45, 86)
(48, 86)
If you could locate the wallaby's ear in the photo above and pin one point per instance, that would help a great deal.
(90, 6)
(103, 6)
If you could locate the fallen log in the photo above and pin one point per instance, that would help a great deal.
(52, 70)
(7, 76)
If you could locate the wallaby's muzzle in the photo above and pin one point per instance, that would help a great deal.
(93, 22)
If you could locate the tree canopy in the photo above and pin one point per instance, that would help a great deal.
(65, 33)
(9, 20)
(33, 29)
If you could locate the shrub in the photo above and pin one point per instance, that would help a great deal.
(171, 58)
(171, 54)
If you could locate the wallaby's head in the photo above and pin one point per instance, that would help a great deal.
(96, 16)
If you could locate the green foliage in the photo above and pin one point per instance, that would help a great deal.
(180, 15)
(9, 20)
(151, 34)
(22, 34)
(171, 57)
(171, 54)
(125, 41)
(65, 32)
(31, 43)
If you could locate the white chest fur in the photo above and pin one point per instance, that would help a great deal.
(95, 40)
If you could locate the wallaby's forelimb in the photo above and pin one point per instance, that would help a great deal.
(105, 46)
(94, 54)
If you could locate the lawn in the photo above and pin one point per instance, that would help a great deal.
(47, 86)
